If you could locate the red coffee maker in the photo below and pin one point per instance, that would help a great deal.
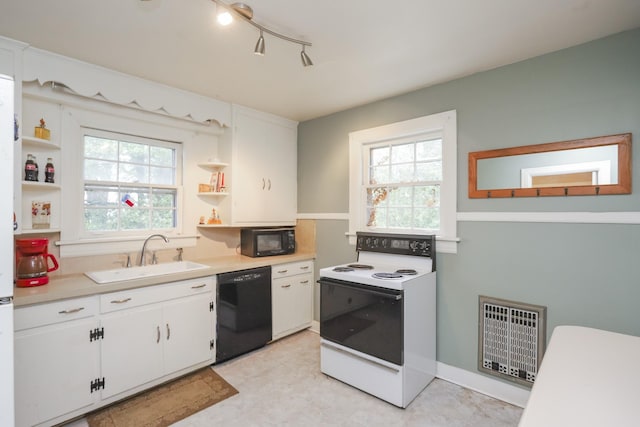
(32, 262)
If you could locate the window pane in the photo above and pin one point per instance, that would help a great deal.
(427, 196)
(164, 218)
(406, 206)
(402, 153)
(101, 219)
(131, 207)
(98, 170)
(402, 173)
(134, 219)
(162, 156)
(162, 175)
(379, 175)
(95, 196)
(140, 197)
(379, 156)
(399, 217)
(164, 198)
(100, 148)
(133, 173)
(429, 171)
(133, 152)
(402, 196)
(429, 150)
(428, 219)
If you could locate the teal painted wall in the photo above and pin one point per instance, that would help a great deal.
(586, 274)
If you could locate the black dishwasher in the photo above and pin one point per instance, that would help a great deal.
(244, 312)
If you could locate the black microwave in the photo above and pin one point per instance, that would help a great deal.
(257, 242)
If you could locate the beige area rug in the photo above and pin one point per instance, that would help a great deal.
(167, 403)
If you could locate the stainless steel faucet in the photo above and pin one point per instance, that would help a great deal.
(144, 245)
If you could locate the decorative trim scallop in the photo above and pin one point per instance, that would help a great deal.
(93, 81)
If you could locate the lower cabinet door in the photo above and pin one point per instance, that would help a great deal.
(54, 368)
(131, 348)
(188, 332)
(292, 300)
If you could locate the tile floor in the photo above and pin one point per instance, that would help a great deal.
(281, 385)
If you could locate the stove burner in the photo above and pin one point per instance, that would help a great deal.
(361, 266)
(387, 275)
(407, 272)
(343, 269)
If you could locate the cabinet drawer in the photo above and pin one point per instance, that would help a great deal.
(55, 312)
(291, 269)
(152, 294)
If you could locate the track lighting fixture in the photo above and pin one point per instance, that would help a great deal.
(243, 11)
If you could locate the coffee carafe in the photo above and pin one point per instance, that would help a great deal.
(32, 262)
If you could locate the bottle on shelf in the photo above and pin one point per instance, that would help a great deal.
(31, 168)
(49, 171)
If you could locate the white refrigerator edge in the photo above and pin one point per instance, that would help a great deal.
(6, 251)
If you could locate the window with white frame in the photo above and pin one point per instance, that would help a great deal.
(130, 183)
(403, 178)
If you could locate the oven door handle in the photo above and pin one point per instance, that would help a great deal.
(393, 296)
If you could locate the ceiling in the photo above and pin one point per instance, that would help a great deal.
(363, 50)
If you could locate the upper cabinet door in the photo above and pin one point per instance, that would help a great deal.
(264, 187)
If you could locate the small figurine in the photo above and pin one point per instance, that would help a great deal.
(41, 131)
(214, 218)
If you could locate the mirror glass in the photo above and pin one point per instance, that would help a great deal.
(589, 166)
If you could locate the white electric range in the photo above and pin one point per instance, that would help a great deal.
(378, 317)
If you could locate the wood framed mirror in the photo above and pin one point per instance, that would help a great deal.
(591, 166)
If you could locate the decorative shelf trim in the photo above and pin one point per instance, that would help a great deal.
(563, 217)
(92, 81)
(213, 225)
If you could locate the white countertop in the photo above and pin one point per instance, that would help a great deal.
(78, 285)
(588, 377)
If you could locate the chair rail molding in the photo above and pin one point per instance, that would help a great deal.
(566, 217)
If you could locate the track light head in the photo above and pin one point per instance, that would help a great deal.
(306, 61)
(244, 12)
(259, 50)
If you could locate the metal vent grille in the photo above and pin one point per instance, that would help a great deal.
(511, 339)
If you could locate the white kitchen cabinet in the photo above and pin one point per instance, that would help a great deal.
(153, 332)
(291, 297)
(132, 348)
(77, 355)
(56, 361)
(263, 185)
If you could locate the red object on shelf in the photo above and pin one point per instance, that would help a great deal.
(32, 262)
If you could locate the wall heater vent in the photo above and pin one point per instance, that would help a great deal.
(511, 339)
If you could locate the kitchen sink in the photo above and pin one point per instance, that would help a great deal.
(132, 273)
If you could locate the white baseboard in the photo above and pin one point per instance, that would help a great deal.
(315, 326)
(494, 388)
